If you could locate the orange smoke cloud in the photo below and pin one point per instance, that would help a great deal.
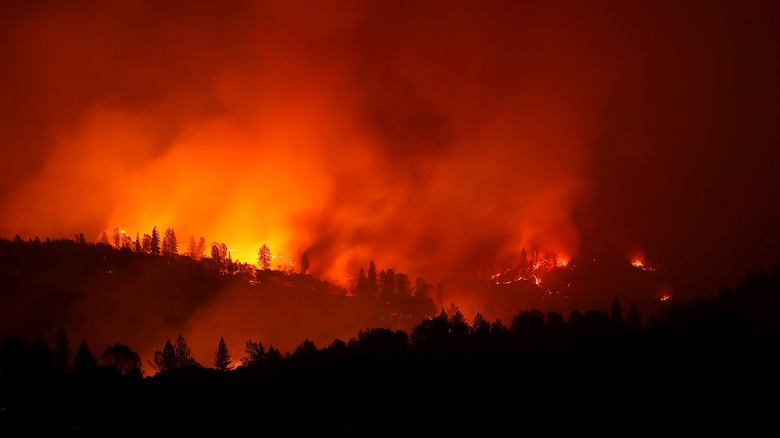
(438, 140)
(351, 139)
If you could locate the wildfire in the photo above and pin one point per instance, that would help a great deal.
(666, 297)
(534, 270)
(640, 264)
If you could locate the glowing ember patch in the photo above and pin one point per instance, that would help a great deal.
(639, 264)
(666, 297)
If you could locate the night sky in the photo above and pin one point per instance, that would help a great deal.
(436, 138)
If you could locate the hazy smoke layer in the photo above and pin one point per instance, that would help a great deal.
(438, 138)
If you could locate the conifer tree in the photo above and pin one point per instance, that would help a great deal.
(170, 245)
(155, 243)
(222, 357)
(372, 278)
(146, 244)
(165, 360)
(117, 238)
(264, 257)
(84, 360)
(192, 248)
(201, 246)
(525, 270)
(183, 353)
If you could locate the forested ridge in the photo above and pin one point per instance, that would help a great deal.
(707, 364)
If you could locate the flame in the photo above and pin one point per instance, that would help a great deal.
(641, 264)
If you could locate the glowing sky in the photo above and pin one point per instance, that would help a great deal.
(437, 138)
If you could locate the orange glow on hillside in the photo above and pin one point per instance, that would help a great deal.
(436, 139)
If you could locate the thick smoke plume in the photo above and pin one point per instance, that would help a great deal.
(438, 138)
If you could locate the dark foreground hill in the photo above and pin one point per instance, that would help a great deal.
(708, 365)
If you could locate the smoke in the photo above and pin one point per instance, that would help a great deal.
(438, 139)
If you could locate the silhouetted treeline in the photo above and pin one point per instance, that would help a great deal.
(74, 283)
(710, 364)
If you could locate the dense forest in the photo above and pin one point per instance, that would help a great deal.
(710, 363)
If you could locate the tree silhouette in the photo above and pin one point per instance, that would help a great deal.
(222, 357)
(123, 359)
(422, 290)
(306, 348)
(273, 354)
(165, 360)
(155, 243)
(216, 254)
(255, 353)
(403, 286)
(103, 239)
(201, 247)
(264, 257)
(170, 245)
(372, 279)
(118, 240)
(304, 263)
(146, 244)
(183, 353)
(192, 248)
(525, 270)
(84, 360)
(480, 325)
(387, 288)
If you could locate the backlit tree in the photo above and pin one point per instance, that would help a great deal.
(255, 353)
(146, 244)
(165, 360)
(155, 243)
(192, 248)
(222, 357)
(372, 279)
(170, 246)
(183, 353)
(123, 359)
(84, 360)
(264, 257)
